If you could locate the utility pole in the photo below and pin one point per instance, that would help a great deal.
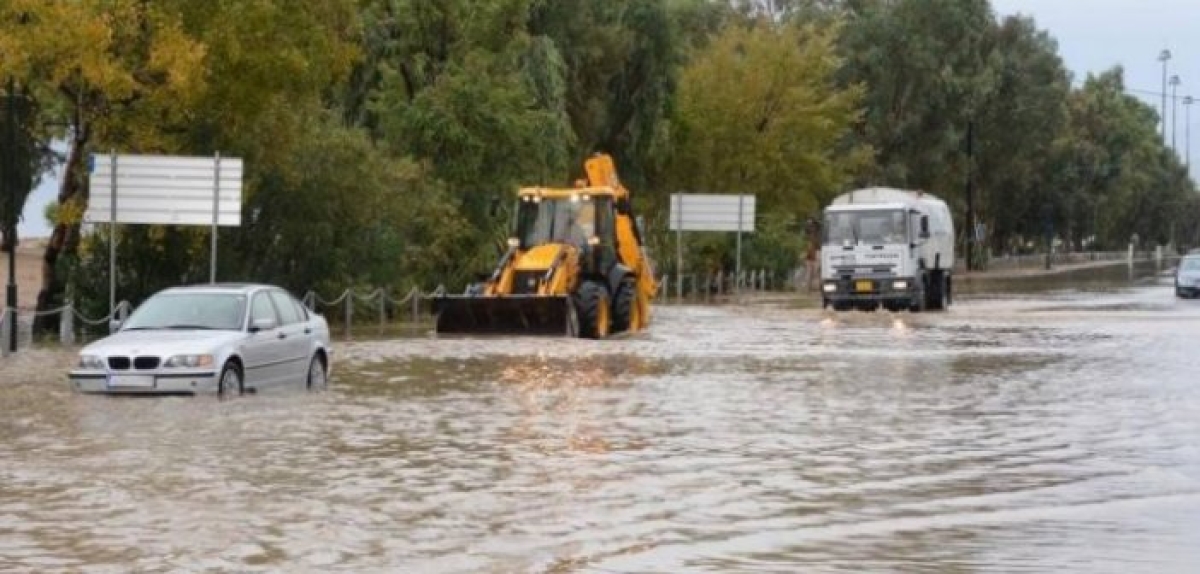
(1163, 56)
(10, 226)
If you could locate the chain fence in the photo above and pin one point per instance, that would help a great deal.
(379, 312)
(377, 308)
(73, 325)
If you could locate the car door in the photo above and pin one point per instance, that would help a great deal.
(297, 340)
(264, 353)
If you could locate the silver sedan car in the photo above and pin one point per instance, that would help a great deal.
(224, 339)
(1187, 277)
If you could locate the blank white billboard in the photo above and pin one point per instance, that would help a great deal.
(712, 212)
(165, 190)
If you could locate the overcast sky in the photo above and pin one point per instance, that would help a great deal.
(1093, 35)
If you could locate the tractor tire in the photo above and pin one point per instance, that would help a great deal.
(592, 303)
(624, 306)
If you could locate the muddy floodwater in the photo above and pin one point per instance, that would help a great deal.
(1049, 432)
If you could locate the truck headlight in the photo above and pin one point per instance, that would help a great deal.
(91, 362)
(899, 285)
(189, 361)
(829, 287)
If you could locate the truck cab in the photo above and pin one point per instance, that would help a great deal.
(887, 248)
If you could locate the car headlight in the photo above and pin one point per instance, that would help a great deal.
(899, 285)
(830, 287)
(91, 362)
(189, 361)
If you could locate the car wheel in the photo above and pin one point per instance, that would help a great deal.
(317, 379)
(230, 383)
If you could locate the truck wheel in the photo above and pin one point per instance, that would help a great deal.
(920, 299)
(624, 309)
(592, 303)
(936, 293)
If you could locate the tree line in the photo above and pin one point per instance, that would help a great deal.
(383, 139)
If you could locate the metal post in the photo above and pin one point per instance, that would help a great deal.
(212, 272)
(1187, 134)
(738, 263)
(66, 324)
(349, 312)
(10, 165)
(415, 293)
(382, 310)
(679, 248)
(4, 333)
(1174, 109)
(112, 233)
(970, 197)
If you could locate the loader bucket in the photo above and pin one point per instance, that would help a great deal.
(505, 315)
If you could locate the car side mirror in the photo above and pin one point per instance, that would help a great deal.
(262, 325)
(924, 227)
(114, 325)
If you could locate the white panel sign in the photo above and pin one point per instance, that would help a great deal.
(165, 190)
(710, 212)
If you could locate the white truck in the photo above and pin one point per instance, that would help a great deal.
(890, 248)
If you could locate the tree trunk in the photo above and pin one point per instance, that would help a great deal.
(65, 238)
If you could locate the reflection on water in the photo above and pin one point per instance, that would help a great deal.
(1032, 433)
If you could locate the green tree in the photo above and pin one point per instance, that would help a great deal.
(927, 68)
(1016, 129)
(759, 113)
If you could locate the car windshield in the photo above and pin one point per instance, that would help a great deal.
(871, 227)
(222, 311)
(1190, 264)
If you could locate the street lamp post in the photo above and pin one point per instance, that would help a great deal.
(1163, 56)
(1187, 134)
(1174, 109)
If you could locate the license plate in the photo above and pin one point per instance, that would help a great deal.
(863, 286)
(138, 381)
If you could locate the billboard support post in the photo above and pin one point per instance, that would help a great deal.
(711, 212)
(212, 273)
(738, 265)
(679, 253)
(163, 190)
(112, 238)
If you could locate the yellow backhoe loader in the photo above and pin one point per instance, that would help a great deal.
(574, 267)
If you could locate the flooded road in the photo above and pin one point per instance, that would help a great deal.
(1054, 432)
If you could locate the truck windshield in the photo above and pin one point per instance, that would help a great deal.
(874, 227)
(563, 220)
